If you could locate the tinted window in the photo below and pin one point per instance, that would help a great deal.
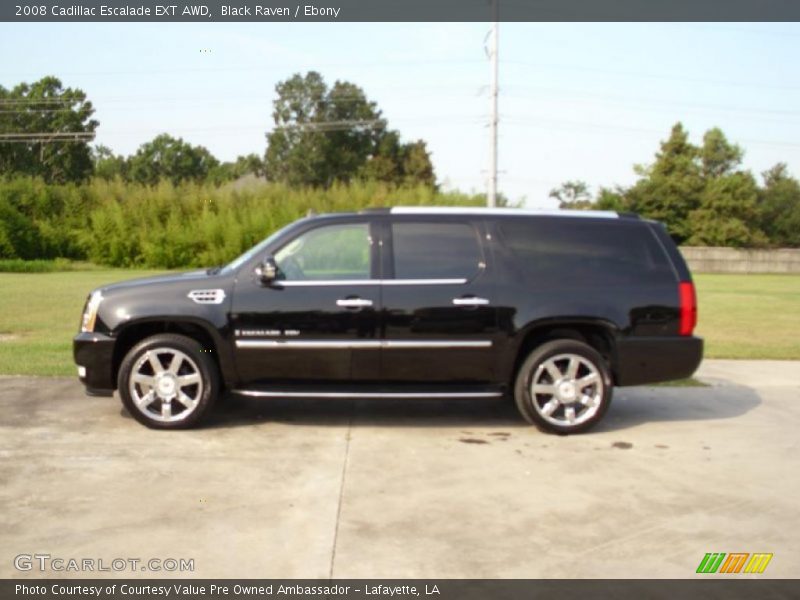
(576, 253)
(435, 250)
(332, 252)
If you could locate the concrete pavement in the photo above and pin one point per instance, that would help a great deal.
(462, 488)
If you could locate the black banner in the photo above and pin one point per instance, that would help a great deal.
(400, 10)
(401, 589)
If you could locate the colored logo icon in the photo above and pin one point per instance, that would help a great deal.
(735, 562)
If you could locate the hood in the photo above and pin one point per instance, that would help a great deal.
(185, 277)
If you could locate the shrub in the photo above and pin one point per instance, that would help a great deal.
(169, 226)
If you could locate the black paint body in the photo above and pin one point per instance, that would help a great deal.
(635, 323)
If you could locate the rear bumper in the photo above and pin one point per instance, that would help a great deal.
(654, 359)
(94, 353)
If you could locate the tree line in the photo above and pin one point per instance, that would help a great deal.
(321, 135)
(703, 195)
(331, 135)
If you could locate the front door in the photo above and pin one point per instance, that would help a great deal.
(440, 325)
(318, 322)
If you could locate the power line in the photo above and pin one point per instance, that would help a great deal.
(316, 67)
(47, 137)
(643, 75)
(332, 125)
(581, 95)
(584, 126)
(39, 101)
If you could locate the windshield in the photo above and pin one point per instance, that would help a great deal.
(253, 252)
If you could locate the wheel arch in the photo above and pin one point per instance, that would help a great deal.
(202, 332)
(597, 333)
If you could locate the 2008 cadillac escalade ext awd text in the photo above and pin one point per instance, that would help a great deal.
(552, 308)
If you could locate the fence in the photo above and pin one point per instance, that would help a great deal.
(734, 260)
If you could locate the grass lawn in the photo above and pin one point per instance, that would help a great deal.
(741, 316)
(749, 316)
(39, 315)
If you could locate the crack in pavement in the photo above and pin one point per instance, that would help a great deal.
(341, 488)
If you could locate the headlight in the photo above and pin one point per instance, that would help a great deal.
(90, 312)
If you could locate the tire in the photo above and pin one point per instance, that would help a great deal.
(573, 387)
(175, 396)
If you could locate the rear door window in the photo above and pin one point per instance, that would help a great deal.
(435, 250)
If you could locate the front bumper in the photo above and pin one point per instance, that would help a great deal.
(94, 355)
(655, 359)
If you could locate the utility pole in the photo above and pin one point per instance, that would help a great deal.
(491, 197)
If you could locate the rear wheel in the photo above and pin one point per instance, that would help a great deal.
(165, 382)
(564, 386)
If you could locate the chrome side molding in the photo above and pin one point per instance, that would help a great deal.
(388, 344)
(351, 282)
(386, 395)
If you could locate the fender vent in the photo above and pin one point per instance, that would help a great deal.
(207, 296)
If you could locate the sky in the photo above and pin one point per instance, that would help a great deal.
(577, 101)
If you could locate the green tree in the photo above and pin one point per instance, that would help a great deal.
(779, 207)
(718, 156)
(166, 157)
(417, 166)
(728, 212)
(108, 165)
(324, 134)
(387, 162)
(699, 192)
(400, 164)
(321, 134)
(573, 195)
(671, 188)
(46, 129)
(250, 164)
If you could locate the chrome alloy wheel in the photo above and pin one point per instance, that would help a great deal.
(165, 385)
(567, 390)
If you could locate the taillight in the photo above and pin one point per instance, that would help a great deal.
(688, 307)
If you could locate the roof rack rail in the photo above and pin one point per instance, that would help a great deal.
(485, 211)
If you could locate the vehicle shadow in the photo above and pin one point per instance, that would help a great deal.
(234, 411)
(646, 404)
(631, 407)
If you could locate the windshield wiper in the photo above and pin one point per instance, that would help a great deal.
(214, 270)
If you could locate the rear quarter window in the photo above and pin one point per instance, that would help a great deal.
(583, 252)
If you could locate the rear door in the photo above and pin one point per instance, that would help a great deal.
(440, 324)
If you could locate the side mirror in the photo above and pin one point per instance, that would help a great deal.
(267, 271)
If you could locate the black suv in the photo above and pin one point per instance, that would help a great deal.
(554, 308)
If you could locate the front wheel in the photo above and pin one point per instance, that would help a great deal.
(564, 386)
(165, 382)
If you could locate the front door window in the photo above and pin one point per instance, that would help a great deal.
(336, 252)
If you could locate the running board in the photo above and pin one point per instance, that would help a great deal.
(376, 394)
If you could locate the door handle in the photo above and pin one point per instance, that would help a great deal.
(470, 301)
(353, 302)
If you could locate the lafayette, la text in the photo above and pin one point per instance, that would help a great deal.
(191, 589)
